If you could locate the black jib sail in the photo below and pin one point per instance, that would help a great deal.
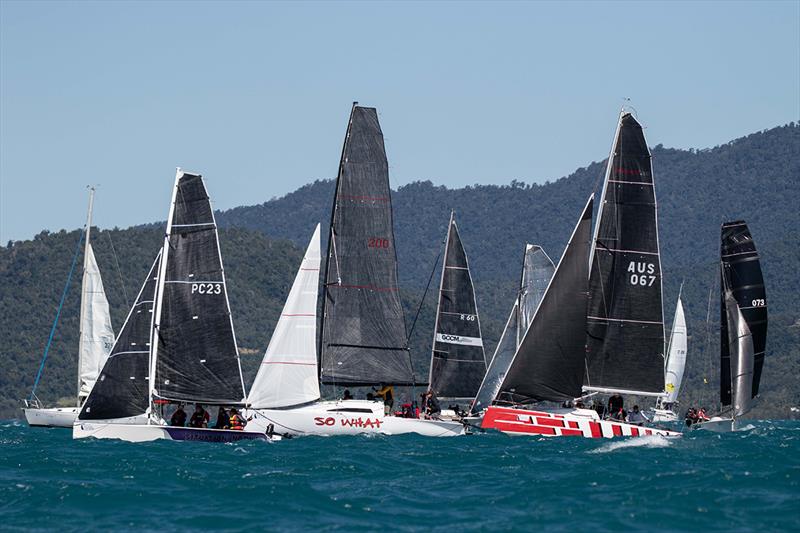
(741, 275)
(121, 389)
(363, 339)
(537, 271)
(549, 362)
(458, 361)
(625, 324)
(195, 353)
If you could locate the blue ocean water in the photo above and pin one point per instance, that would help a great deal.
(747, 481)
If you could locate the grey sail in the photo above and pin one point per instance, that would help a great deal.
(121, 389)
(625, 323)
(741, 275)
(537, 270)
(195, 353)
(496, 372)
(740, 347)
(549, 363)
(458, 360)
(363, 337)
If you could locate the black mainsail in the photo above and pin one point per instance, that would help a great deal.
(458, 360)
(363, 338)
(743, 288)
(549, 363)
(537, 271)
(194, 353)
(121, 389)
(625, 323)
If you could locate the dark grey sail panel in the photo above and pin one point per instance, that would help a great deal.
(458, 360)
(496, 372)
(625, 324)
(537, 270)
(549, 362)
(122, 388)
(197, 359)
(741, 275)
(363, 328)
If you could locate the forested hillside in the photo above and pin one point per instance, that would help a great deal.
(756, 178)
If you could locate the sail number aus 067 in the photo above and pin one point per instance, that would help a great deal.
(642, 273)
(207, 288)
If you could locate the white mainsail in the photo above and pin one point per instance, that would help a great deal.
(288, 374)
(676, 358)
(96, 332)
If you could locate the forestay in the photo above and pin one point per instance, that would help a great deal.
(548, 364)
(458, 360)
(194, 348)
(741, 275)
(363, 338)
(288, 373)
(625, 329)
(122, 389)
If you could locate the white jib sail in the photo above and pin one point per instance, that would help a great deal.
(288, 374)
(97, 335)
(676, 360)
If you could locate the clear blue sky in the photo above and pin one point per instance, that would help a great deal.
(256, 95)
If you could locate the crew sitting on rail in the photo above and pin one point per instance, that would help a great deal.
(200, 417)
(432, 407)
(387, 393)
(347, 395)
(636, 416)
(223, 420)
(615, 405)
(236, 421)
(178, 417)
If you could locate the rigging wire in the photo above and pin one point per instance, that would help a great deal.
(422, 300)
(119, 271)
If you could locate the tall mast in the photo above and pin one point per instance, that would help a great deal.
(83, 290)
(439, 294)
(162, 270)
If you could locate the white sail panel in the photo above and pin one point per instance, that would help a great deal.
(97, 335)
(740, 341)
(676, 359)
(288, 373)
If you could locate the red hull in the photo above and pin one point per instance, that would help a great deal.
(543, 423)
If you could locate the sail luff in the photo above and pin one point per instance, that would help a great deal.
(537, 270)
(439, 294)
(81, 331)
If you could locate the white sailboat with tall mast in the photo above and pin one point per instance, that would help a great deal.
(664, 410)
(96, 338)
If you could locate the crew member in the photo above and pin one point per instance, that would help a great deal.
(636, 417)
(223, 420)
(236, 422)
(200, 417)
(347, 395)
(433, 407)
(387, 393)
(178, 417)
(615, 405)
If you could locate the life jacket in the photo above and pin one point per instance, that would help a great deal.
(236, 423)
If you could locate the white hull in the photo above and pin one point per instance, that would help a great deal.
(149, 432)
(346, 417)
(660, 416)
(55, 417)
(718, 424)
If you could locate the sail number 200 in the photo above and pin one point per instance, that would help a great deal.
(642, 273)
(377, 242)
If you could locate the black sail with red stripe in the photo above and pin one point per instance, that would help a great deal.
(625, 324)
(363, 338)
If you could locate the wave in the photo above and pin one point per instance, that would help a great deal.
(652, 441)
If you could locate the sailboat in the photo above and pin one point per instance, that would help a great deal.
(363, 339)
(743, 327)
(458, 359)
(191, 351)
(95, 339)
(664, 410)
(537, 270)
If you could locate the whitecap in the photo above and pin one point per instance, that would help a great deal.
(651, 441)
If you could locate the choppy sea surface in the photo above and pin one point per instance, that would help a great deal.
(746, 481)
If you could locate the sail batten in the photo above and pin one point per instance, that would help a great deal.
(363, 337)
(458, 359)
(625, 325)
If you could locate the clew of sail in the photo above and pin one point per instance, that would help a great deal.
(363, 337)
(288, 373)
(122, 387)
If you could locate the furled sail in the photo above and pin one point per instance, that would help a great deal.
(741, 275)
(288, 374)
(740, 348)
(97, 335)
(122, 389)
(458, 360)
(676, 355)
(363, 338)
(194, 347)
(548, 364)
(537, 271)
(625, 323)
